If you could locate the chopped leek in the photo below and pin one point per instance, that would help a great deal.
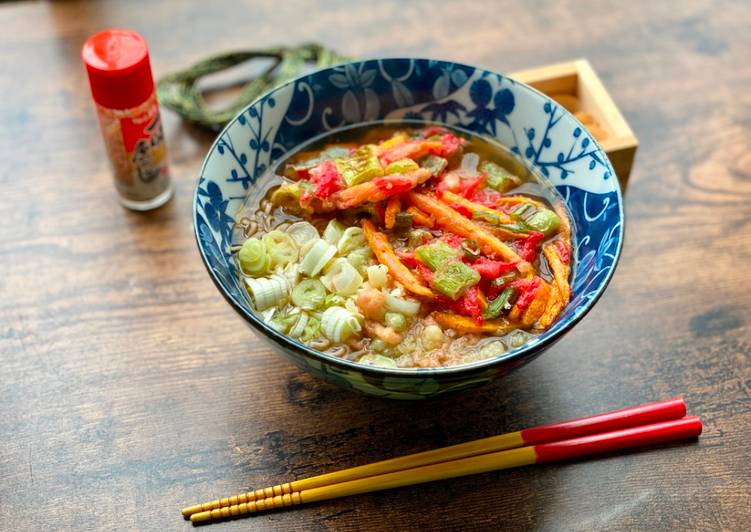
(402, 166)
(318, 255)
(453, 278)
(254, 260)
(281, 248)
(309, 294)
(378, 361)
(339, 324)
(302, 232)
(351, 239)
(333, 232)
(544, 221)
(342, 278)
(378, 276)
(361, 166)
(497, 177)
(436, 254)
(268, 292)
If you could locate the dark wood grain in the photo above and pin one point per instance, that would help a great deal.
(130, 389)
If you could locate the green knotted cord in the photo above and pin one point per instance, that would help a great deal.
(178, 92)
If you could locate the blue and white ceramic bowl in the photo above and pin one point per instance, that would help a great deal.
(538, 130)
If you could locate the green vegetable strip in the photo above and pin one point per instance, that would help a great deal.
(436, 254)
(496, 307)
(310, 294)
(496, 177)
(495, 221)
(454, 278)
(435, 164)
(360, 167)
(402, 166)
(544, 221)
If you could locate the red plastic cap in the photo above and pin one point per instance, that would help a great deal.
(117, 62)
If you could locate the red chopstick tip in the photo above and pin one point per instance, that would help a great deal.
(656, 433)
(608, 421)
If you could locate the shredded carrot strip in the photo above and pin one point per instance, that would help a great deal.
(561, 271)
(465, 324)
(553, 307)
(450, 197)
(448, 218)
(392, 208)
(536, 309)
(379, 189)
(385, 254)
(420, 218)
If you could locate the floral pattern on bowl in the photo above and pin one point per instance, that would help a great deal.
(538, 130)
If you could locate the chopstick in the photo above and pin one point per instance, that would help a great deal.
(607, 421)
(655, 433)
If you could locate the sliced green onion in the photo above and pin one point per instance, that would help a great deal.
(333, 232)
(254, 260)
(360, 259)
(299, 327)
(316, 256)
(268, 292)
(339, 324)
(302, 232)
(471, 249)
(378, 276)
(351, 239)
(342, 278)
(309, 294)
(281, 248)
(497, 306)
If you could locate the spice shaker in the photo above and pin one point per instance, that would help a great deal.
(122, 86)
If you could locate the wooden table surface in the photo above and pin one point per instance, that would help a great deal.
(129, 388)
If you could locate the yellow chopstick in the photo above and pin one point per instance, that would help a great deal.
(627, 417)
(662, 432)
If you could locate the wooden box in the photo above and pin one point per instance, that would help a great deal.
(578, 88)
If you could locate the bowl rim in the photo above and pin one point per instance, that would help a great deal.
(524, 351)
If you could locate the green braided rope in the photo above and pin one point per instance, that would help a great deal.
(177, 91)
